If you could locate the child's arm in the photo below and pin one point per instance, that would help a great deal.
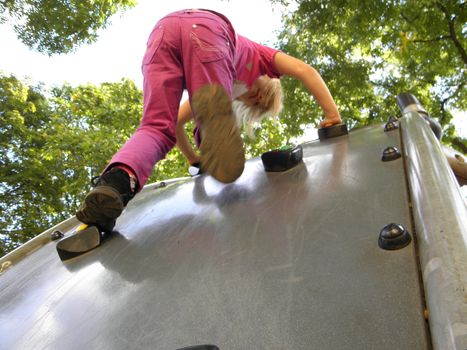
(184, 115)
(310, 78)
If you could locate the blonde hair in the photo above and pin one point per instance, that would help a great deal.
(249, 116)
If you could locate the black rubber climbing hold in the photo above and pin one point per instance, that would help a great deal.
(79, 243)
(201, 347)
(195, 169)
(332, 131)
(282, 159)
(394, 236)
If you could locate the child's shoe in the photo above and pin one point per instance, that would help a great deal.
(222, 153)
(104, 204)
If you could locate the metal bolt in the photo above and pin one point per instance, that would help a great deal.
(56, 235)
(390, 153)
(393, 236)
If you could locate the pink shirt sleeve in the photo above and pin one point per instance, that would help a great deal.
(253, 60)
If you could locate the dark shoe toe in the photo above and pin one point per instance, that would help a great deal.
(100, 206)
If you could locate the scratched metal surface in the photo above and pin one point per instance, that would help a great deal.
(272, 261)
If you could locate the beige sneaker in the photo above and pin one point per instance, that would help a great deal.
(222, 153)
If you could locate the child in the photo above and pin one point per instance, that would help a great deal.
(198, 50)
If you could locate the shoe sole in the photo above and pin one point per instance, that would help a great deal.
(102, 204)
(222, 153)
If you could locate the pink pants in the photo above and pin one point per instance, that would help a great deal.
(186, 49)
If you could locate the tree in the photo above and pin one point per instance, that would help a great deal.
(24, 115)
(54, 26)
(51, 146)
(369, 51)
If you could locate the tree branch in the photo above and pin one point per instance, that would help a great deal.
(452, 32)
(441, 37)
(446, 100)
(408, 20)
(460, 143)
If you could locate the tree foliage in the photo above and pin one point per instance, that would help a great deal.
(59, 26)
(51, 143)
(24, 115)
(369, 51)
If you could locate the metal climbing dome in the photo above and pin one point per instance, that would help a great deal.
(345, 250)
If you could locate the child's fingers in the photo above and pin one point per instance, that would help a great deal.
(327, 123)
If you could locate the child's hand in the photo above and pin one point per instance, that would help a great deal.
(194, 159)
(330, 121)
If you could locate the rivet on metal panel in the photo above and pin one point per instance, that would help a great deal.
(390, 153)
(56, 235)
(426, 314)
(394, 236)
(391, 124)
